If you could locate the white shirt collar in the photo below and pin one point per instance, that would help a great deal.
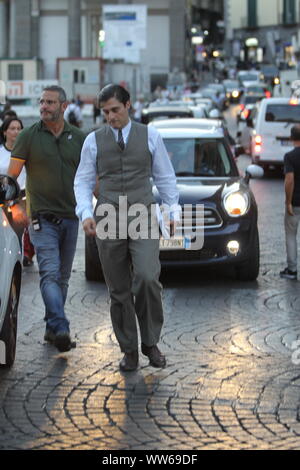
(125, 131)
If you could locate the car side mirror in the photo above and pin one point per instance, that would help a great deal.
(238, 150)
(253, 171)
(9, 189)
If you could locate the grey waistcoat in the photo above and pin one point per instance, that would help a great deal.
(124, 172)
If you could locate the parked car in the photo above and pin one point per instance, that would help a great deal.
(206, 174)
(246, 105)
(199, 111)
(221, 99)
(272, 120)
(247, 77)
(270, 74)
(233, 89)
(207, 102)
(10, 274)
(211, 94)
(258, 88)
(163, 112)
(192, 123)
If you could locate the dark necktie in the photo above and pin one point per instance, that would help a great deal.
(120, 140)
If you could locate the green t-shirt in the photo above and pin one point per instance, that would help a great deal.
(51, 163)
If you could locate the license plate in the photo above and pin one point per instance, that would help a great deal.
(172, 244)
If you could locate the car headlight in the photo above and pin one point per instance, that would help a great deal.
(236, 204)
(235, 94)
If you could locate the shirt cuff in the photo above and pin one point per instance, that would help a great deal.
(86, 214)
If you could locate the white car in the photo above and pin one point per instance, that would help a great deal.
(10, 274)
(194, 123)
(272, 121)
(247, 77)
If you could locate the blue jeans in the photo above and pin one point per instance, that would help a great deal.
(291, 223)
(55, 247)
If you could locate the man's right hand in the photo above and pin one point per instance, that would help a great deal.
(89, 226)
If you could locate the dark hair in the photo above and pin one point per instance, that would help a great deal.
(61, 92)
(295, 132)
(8, 113)
(114, 91)
(6, 124)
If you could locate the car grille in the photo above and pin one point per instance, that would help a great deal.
(186, 255)
(209, 216)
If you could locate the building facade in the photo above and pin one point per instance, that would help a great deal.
(265, 30)
(43, 31)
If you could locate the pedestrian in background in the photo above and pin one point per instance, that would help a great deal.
(138, 109)
(123, 155)
(73, 114)
(292, 204)
(50, 150)
(9, 131)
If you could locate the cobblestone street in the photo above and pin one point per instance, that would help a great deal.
(231, 381)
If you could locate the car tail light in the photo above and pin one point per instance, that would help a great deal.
(268, 94)
(246, 113)
(257, 143)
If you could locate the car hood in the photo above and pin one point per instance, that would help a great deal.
(198, 190)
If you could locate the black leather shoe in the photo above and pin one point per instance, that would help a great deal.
(63, 342)
(156, 358)
(130, 361)
(49, 335)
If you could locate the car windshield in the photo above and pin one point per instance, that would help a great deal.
(158, 115)
(199, 157)
(255, 89)
(248, 77)
(282, 113)
(269, 69)
(231, 84)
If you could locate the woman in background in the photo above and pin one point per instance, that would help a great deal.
(9, 131)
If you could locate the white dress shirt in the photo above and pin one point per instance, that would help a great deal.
(162, 173)
(5, 155)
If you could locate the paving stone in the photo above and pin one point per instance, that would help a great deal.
(230, 382)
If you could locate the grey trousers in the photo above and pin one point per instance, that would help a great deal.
(131, 269)
(291, 223)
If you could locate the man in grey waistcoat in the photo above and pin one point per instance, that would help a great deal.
(120, 158)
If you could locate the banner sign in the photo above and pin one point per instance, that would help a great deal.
(125, 29)
(22, 89)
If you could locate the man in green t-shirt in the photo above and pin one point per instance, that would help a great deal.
(50, 151)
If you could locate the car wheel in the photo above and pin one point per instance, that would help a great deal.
(249, 270)
(9, 328)
(93, 268)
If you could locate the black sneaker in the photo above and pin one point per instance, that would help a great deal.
(287, 274)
